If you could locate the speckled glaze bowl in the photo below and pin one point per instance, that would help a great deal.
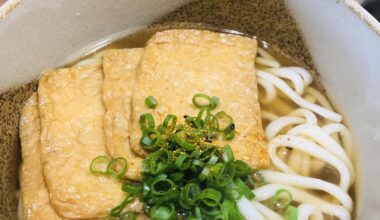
(336, 38)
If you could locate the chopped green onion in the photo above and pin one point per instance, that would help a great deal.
(183, 143)
(151, 102)
(291, 213)
(205, 154)
(227, 154)
(198, 214)
(213, 160)
(220, 175)
(243, 189)
(189, 195)
(128, 215)
(99, 165)
(201, 101)
(117, 167)
(210, 197)
(204, 174)
(133, 188)
(229, 135)
(176, 176)
(151, 139)
(241, 168)
(162, 212)
(200, 122)
(170, 118)
(163, 190)
(183, 162)
(146, 122)
(281, 199)
(159, 162)
(115, 212)
(215, 100)
(230, 210)
(223, 121)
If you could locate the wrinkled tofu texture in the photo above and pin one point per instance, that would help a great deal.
(72, 112)
(34, 193)
(177, 64)
(120, 67)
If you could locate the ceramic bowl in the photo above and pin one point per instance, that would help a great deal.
(337, 38)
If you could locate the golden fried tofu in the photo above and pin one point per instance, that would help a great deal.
(120, 67)
(72, 115)
(177, 64)
(34, 193)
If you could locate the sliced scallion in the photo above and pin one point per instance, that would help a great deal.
(243, 189)
(146, 122)
(99, 165)
(117, 167)
(281, 199)
(201, 101)
(223, 121)
(151, 102)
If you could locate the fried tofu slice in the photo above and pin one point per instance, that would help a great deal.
(120, 67)
(34, 193)
(177, 64)
(72, 113)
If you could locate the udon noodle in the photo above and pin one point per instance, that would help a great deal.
(305, 137)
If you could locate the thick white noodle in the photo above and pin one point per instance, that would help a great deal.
(319, 97)
(267, 191)
(311, 148)
(267, 62)
(318, 135)
(308, 115)
(248, 210)
(306, 76)
(267, 212)
(270, 91)
(315, 143)
(344, 132)
(281, 85)
(274, 128)
(291, 75)
(308, 211)
(268, 115)
(309, 183)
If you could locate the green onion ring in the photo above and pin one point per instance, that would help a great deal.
(291, 213)
(115, 212)
(133, 188)
(151, 102)
(99, 165)
(183, 162)
(227, 154)
(227, 119)
(211, 102)
(183, 143)
(278, 200)
(149, 143)
(117, 167)
(241, 168)
(162, 212)
(164, 190)
(243, 189)
(146, 122)
(170, 127)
